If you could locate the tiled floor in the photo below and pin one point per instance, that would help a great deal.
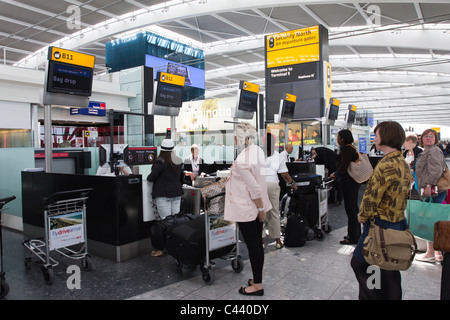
(318, 270)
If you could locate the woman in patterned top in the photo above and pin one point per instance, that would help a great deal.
(384, 200)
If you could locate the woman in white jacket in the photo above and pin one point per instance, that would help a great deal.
(246, 201)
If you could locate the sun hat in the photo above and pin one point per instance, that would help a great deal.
(167, 145)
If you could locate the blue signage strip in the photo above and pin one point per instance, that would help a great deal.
(88, 111)
(97, 105)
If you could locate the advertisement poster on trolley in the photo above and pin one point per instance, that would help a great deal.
(66, 230)
(222, 232)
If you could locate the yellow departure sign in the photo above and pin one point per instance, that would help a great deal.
(171, 78)
(71, 57)
(352, 107)
(293, 47)
(291, 97)
(252, 87)
(336, 102)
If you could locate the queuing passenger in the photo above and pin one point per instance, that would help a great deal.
(193, 165)
(412, 150)
(385, 200)
(349, 187)
(275, 164)
(246, 201)
(429, 168)
(327, 157)
(167, 189)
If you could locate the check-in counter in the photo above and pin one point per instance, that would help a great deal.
(115, 226)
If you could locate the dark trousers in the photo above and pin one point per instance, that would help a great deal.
(390, 283)
(445, 280)
(335, 192)
(350, 190)
(252, 234)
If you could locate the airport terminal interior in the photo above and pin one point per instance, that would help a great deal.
(91, 92)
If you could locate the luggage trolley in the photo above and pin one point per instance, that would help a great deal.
(4, 287)
(222, 240)
(311, 201)
(65, 226)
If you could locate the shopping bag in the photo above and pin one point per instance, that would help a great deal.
(423, 215)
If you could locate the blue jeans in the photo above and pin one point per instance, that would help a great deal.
(439, 198)
(167, 206)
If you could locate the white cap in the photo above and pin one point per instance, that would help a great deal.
(167, 145)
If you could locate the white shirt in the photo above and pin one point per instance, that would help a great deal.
(275, 164)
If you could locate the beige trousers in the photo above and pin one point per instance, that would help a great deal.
(273, 215)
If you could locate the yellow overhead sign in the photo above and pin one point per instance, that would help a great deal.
(293, 47)
(71, 57)
(250, 86)
(291, 97)
(352, 107)
(171, 78)
(335, 101)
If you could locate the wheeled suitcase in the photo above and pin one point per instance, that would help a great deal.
(158, 229)
(296, 231)
(186, 242)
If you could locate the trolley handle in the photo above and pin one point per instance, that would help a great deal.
(84, 193)
(4, 201)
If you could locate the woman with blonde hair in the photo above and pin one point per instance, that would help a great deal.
(246, 201)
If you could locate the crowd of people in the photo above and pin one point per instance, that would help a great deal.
(252, 191)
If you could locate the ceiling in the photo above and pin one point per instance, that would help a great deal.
(389, 57)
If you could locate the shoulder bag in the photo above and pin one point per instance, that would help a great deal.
(444, 181)
(361, 169)
(389, 249)
(442, 236)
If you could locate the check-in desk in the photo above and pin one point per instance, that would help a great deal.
(115, 226)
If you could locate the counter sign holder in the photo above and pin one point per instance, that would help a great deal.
(68, 82)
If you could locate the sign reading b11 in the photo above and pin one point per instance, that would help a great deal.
(71, 57)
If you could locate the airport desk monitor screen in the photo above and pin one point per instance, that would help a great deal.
(351, 115)
(248, 101)
(333, 112)
(287, 109)
(168, 95)
(69, 79)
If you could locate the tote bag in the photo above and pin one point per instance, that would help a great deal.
(361, 169)
(423, 215)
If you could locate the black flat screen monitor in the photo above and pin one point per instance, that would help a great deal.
(168, 95)
(333, 112)
(288, 109)
(69, 79)
(248, 101)
(351, 115)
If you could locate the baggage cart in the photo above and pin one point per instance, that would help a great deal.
(65, 231)
(222, 241)
(310, 200)
(4, 287)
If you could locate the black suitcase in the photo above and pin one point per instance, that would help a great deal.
(158, 229)
(306, 182)
(186, 242)
(307, 205)
(296, 231)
